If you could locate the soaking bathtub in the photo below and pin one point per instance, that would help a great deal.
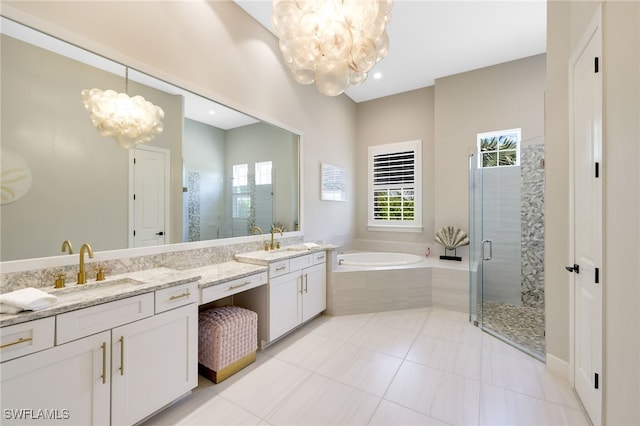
(365, 282)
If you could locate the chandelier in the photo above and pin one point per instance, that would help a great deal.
(333, 43)
(128, 120)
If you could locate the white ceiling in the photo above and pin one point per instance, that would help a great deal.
(432, 39)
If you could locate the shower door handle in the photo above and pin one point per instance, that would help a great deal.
(485, 244)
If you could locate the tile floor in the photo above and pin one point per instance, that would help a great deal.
(415, 367)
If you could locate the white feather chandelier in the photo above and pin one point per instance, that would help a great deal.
(333, 43)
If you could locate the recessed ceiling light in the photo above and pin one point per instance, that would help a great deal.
(211, 112)
(377, 75)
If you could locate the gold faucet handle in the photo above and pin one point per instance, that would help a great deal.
(100, 274)
(59, 281)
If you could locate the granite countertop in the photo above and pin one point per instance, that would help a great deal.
(94, 292)
(263, 257)
(220, 273)
(118, 287)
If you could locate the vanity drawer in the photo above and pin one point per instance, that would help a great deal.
(26, 338)
(84, 322)
(229, 288)
(298, 263)
(278, 268)
(174, 297)
(319, 257)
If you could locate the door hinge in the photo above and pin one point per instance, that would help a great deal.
(597, 275)
(134, 197)
(134, 233)
(134, 161)
(597, 170)
(596, 381)
(596, 65)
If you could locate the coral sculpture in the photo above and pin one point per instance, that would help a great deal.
(451, 238)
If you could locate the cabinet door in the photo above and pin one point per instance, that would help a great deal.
(314, 294)
(155, 360)
(285, 307)
(67, 384)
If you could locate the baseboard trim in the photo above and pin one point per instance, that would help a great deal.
(557, 366)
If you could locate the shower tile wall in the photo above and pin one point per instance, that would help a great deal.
(532, 212)
(193, 206)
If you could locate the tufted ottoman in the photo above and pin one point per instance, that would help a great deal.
(227, 341)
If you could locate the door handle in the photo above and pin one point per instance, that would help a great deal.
(575, 268)
(486, 256)
(160, 233)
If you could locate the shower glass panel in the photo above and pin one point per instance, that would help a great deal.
(498, 300)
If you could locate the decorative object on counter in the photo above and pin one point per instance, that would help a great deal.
(227, 341)
(25, 299)
(427, 252)
(15, 176)
(451, 237)
(127, 120)
(332, 43)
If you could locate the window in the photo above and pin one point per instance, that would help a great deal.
(241, 199)
(499, 149)
(240, 174)
(263, 173)
(395, 182)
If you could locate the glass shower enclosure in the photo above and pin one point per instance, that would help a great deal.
(507, 250)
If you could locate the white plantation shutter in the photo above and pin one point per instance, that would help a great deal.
(395, 185)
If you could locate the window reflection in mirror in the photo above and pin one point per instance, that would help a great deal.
(81, 186)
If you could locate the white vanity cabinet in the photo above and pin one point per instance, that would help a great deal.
(297, 295)
(154, 361)
(67, 384)
(114, 363)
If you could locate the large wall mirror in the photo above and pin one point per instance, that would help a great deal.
(222, 174)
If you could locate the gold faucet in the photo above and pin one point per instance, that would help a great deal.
(66, 244)
(254, 229)
(82, 279)
(273, 231)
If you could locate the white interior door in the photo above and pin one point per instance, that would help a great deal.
(150, 197)
(586, 129)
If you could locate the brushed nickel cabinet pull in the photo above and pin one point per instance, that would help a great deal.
(17, 342)
(306, 283)
(180, 296)
(122, 355)
(281, 267)
(104, 362)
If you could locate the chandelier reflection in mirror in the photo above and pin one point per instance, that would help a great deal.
(333, 43)
(128, 120)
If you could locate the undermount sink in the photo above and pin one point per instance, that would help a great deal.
(96, 285)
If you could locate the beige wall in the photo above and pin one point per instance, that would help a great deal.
(404, 117)
(621, 174)
(217, 50)
(447, 117)
(504, 96)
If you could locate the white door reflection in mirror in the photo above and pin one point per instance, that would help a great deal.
(150, 196)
